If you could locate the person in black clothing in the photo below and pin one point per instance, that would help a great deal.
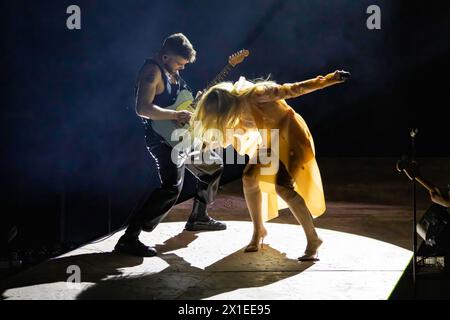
(157, 87)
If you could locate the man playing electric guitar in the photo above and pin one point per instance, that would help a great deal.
(157, 87)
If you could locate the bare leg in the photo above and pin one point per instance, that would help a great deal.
(253, 198)
(301, 213)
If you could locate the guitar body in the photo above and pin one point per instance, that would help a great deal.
(184, 101)
(165, 128)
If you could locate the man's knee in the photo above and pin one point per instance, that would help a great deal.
(173, 184)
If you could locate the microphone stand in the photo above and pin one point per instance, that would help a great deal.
(413, 134)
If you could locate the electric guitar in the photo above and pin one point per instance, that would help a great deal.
(186, 101)
(433, 227)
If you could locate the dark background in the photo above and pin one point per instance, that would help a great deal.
(72, 147)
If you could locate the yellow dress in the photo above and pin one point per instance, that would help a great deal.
(266, 108)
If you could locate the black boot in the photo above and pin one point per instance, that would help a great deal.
(200, 221)
(131, 245)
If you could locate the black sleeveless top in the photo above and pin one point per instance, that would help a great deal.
(168, 96)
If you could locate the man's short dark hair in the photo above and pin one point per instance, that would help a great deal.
(180, 45)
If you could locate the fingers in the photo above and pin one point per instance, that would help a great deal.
(342, 75)
(337, 75)
(183, 116)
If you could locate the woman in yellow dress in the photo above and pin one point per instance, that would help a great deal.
(247, 109)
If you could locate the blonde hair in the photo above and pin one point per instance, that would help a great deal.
(220, 107)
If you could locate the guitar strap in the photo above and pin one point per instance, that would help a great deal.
(184, 85)
(171, 91)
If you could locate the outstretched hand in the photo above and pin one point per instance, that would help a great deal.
(342, 75)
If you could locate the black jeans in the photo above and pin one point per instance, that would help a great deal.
(171, 175)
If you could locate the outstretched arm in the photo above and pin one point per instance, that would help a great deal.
(292, 90)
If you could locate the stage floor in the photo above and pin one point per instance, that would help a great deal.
(213, 265)
(367, 230)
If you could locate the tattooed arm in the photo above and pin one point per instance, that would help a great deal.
(150, 80)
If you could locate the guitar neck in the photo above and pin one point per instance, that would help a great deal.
(219, 78)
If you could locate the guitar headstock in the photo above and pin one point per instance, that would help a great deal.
(409, 167)
(238, 57)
